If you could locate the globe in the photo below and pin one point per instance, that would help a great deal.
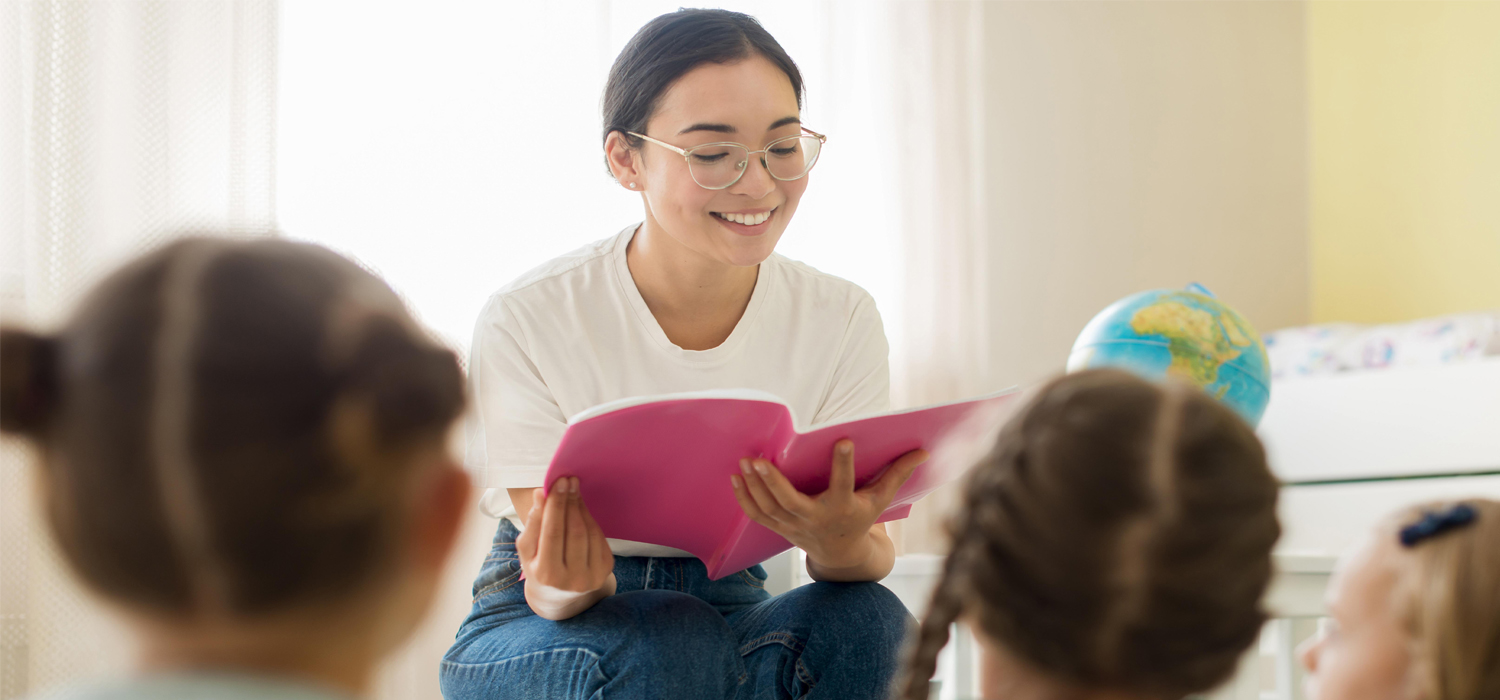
(1185, 334)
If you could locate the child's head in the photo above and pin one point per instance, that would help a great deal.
(243, 434)
(1415, 610)
(1117, 540)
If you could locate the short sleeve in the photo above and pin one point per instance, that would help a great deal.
(515, 424)
(861, 383)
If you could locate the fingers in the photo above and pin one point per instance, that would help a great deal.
(576, 551)
(795, 502)
(773, 493)
(526, 543)
(599, 554)
(884, 489)
(841, 481)
(755, 488)
(554, 525)
(748, 504)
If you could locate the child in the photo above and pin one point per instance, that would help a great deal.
(1116, 543)
(1415, 610)
(243, 452)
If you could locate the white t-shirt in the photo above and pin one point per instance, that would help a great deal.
(575, 333)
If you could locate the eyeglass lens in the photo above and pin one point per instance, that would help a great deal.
(719, 165)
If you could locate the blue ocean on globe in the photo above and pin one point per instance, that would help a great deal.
(1186, 334)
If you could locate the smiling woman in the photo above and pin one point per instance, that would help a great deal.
(702, 118)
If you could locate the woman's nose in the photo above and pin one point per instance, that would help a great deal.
(757, 181)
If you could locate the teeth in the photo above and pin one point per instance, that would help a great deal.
(747, 219)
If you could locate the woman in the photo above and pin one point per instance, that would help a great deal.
(243, 452)
(701, 117)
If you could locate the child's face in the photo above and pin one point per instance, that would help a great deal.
(1365, 654)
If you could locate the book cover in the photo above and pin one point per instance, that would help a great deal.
(656, 469)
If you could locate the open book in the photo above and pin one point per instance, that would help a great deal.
(656, 469)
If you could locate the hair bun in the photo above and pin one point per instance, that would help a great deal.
(28, 381)
(411, 383)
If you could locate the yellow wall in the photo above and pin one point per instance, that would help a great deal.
(1404, 119)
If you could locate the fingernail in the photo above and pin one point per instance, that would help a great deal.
(745, 466)
(574, 485)
(760, 467)
(845, 448)
(734, 480)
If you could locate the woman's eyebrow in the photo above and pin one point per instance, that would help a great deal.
(720, 128)
(727, 129)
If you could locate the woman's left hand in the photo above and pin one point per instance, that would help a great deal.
(833, 526)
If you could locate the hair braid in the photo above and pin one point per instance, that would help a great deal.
(1117, 537)
(944, 608)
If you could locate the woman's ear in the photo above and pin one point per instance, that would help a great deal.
(624, 161)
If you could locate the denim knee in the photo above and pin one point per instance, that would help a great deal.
(674, 637)
(863, 613)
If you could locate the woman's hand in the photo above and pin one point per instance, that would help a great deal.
(833, 527)
(563, 552)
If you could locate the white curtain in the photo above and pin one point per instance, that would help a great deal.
(449, 166)
(121, 121)
(942, 352)
(454, 166)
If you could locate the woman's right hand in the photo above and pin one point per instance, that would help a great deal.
(563, 552)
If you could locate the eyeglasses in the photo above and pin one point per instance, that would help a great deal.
(717, 166)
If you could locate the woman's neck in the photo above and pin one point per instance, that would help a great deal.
(696, 300)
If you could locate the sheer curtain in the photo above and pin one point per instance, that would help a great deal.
(472, 154)
(120, 121)
(449, 145)
(942, 352)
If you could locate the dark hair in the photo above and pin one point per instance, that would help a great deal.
(1118, 537)
(226, 427)
(670, 46)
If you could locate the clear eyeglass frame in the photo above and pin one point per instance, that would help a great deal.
(687, 156)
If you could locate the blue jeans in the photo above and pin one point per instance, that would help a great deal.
(669, 632)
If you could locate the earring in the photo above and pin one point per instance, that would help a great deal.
(631, 185)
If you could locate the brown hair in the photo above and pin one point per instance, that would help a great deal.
(1118, 537)
(225, 427)
(670, 46)
(1448, 592)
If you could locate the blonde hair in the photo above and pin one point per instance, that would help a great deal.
(1118, 537)
(1448, 592)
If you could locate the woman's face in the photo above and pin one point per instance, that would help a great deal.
(749, 102)
(1365, 653)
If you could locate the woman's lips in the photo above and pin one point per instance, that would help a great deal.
(746, 229)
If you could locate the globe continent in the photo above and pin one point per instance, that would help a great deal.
(1185, 335)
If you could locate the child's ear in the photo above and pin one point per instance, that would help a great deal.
(439, 518)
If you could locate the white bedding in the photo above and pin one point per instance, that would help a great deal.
(1400, 422)
(1342, 347)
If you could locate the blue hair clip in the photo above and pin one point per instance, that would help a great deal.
(1436, 522)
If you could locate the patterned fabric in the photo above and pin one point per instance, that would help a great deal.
(1330, 348)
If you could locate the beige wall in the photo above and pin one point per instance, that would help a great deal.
(1136, 145)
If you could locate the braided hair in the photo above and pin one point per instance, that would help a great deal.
(1117, 537)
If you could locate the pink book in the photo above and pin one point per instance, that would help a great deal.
(656, 469)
